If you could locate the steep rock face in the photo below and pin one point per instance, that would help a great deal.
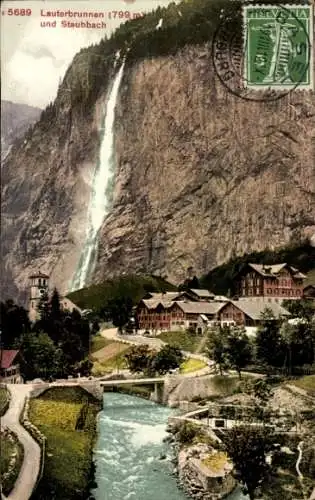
(46, 186)
(15, 119)
(203, 175)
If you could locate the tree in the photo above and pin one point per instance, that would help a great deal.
(216, 347)
(247, 446)
(138, 358)
(55, 309)
(302, 308)
(120, 309)
(14, 323)
(299, 340)
(41, 358)
(168, 358)
(239, 350)
(269, 343)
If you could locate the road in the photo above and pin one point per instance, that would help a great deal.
(155, 343)
(30, 468)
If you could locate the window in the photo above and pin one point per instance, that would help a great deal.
(257, 291)
(40, 282)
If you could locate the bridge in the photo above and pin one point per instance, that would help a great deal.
(96, 386)
(156, 382)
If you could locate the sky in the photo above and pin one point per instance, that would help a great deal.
(34, 58)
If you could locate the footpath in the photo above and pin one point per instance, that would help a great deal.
(27, 478)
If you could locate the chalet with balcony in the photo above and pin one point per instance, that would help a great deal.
(276, 282)
(10, 366)
(165, 312)
(247, 312)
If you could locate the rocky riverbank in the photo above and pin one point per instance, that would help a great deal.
(202, 467)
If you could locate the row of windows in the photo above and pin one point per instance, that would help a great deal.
(272, 291)
(283, 291)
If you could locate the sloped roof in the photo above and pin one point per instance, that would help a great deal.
(200, 307)
(270, 270)
(201, 292)
(254, 308)
(7, 357)
(221, 298)
(153, 303)
(166, 295)
(39, 274)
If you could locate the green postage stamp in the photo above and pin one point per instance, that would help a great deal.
(278, 46)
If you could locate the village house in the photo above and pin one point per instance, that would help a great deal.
(169, 314)
(248, 313)
(39, 285)
(276, 282)
(10, 366)
(171, 311)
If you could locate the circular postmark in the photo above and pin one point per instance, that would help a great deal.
(263, 52)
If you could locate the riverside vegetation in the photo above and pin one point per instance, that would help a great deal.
(67, 418)
(11, 459)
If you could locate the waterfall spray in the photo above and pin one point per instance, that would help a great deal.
(103, 174)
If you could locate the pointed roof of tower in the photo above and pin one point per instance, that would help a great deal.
(39, 274)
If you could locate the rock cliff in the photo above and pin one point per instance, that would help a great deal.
(201, 175)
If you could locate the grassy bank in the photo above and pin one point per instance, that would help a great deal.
(182, 339)
(307, 383)
(67, 417)
(113, 359)
(11, 459)
(192, 365)
(4, 400)
(99, 342)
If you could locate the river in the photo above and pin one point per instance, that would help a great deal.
(128, 451)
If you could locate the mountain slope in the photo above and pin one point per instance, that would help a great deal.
(201, 175)
(15, 120)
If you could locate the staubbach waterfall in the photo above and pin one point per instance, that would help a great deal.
(103, 174)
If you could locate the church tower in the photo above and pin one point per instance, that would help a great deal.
(38, 286)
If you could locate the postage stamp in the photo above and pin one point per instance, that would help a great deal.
(278, 46)
(264, 52)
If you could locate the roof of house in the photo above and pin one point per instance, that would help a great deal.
(39, 274)
(166, 295)
(154, 302)
(68, 304)
(201, 292)
(310, 286)
(271, 270)
(200, 307)
(7, 357)
(254, 308)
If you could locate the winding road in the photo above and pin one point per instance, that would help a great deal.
(27, 478)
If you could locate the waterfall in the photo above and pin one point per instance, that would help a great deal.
(103, 174)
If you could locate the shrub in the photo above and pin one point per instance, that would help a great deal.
(187, 432)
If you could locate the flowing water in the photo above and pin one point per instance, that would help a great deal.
(128, 451)
(103, 176)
